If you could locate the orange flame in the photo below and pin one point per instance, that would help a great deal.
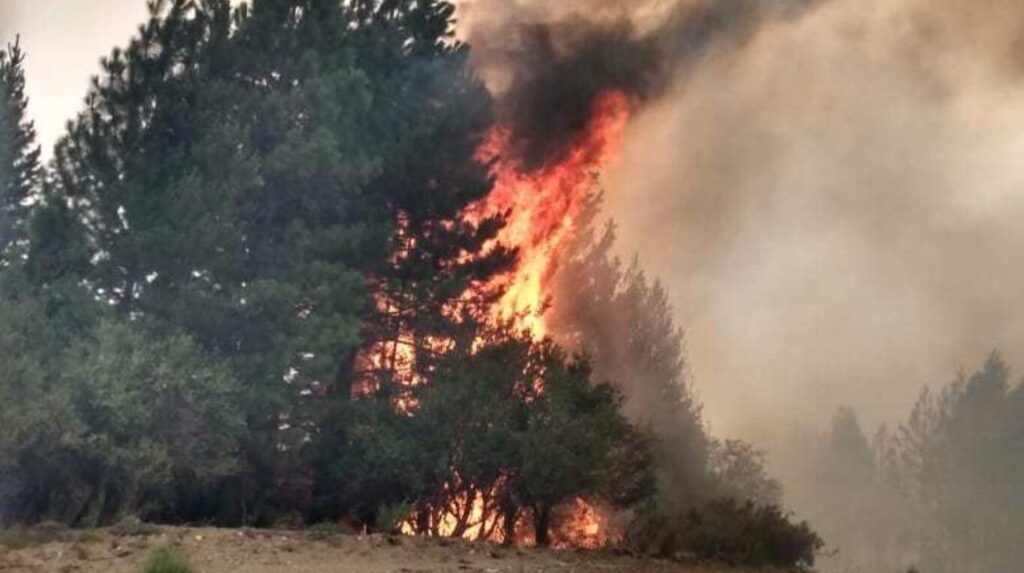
(544, 205)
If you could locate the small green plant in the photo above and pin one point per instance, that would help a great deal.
(167, 561)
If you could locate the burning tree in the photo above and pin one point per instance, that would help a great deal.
(307, 212)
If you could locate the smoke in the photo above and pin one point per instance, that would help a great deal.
(831, 191)
(841, 196)
(548, 64)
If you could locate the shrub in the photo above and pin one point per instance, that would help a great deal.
(726, 530)
(167, 561)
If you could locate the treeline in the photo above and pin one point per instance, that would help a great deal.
(940, 492)
(243, 293)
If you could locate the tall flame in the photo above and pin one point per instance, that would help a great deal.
(542, 208)
(544, 205)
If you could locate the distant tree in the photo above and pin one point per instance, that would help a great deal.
(847, 456)
(959, 463)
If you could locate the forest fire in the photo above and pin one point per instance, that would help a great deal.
(544, 204)
(542, 207)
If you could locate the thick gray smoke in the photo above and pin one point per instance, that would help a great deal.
(548, 64)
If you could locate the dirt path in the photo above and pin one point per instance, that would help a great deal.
(245, 551)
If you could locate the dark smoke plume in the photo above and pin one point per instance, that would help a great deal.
(554, 66)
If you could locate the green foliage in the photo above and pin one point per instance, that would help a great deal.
(391, 516)
(240, 175)
(740, 533)
(577, 442)
(120, 426)
(167, 561)
(244, 295)
(19, 154)
(515, 424)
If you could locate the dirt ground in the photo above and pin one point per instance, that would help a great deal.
(259, 551)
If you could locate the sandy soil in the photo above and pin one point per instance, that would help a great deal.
(248, 551)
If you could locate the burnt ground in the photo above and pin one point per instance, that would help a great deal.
(263, 551)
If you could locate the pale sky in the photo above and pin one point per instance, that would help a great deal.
(64, 41)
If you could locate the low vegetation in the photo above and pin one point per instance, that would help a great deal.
(728, 531)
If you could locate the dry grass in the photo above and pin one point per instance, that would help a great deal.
(207, 550)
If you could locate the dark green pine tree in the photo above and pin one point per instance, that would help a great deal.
(19, 155)
(428, 115)
(243, 175)
(436, 113)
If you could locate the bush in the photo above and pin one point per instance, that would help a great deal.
(167, 561)
(726, 530)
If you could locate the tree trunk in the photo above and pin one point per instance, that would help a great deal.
(422, 519)
(508, 516)
(541, 524)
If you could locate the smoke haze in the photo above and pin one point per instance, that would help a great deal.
(830, 191)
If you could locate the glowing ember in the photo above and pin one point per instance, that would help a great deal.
(585, 525)
(544, 204)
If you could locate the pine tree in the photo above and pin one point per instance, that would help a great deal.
(19, 155)
(273, 180)
(625, 323)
